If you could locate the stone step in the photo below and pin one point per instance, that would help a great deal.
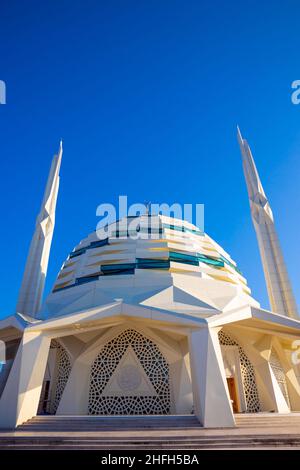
(134, 444)
(267, 420)
(154, 419)
(149, 439)
(108, 425)
(113, 423)
(86, 423)
(153, 432)
(142, 439)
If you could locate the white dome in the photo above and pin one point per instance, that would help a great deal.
(172, 265)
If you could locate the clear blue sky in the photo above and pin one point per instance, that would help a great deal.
(146, 96)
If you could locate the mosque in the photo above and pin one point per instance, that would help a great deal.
(162, 324)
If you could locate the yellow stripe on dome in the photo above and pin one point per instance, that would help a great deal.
(204, 248)
(247, 291)
(65, 274)
(223, 278)
(242, 280)
(121, 241)
(152, 240)
(68, 265)
(159, 248)
(93, 264)
(182, 271)
(183, 250)
(115, 261)
(108, 252)
(63, 284)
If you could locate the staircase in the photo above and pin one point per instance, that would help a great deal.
(253, 431)
(268, 420)
(105, 423)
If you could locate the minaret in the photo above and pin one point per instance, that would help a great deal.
(32, 287)
(278, 285)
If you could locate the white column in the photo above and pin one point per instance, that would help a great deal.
(271, 397)
(75, 396)
(292, 382)
(20, 397)
(182, 385)
(210, 392)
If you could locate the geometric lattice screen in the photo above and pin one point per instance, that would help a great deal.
(248, 374)
(63, 369)
(130, 376)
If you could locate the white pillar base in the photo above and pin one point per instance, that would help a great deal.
(211, 397)
(20, 397)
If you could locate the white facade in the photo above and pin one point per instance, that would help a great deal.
(161, 324)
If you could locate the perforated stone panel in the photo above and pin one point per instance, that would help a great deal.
(62, 375)
(154, 365)
(279, 375)
(248, 374)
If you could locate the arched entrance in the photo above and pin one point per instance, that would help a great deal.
(241, 382)
(56, 377)
(130, 376)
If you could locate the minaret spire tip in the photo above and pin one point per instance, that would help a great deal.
(239, 134)
(60, 150)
